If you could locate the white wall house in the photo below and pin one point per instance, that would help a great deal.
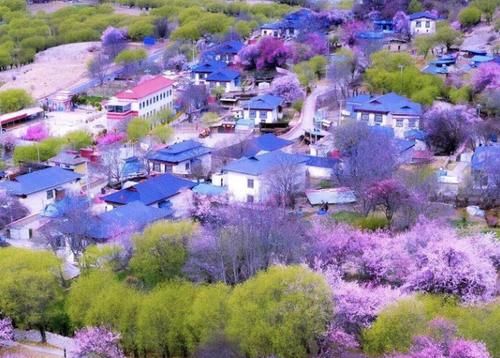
(38, 189)
(144, 100)
(422, 23)
(263, 109)
(225, 78)
(390, 110)
(202, 70)
(250, 179)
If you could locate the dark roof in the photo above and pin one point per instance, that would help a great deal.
(228, 47)
(208, 66)
(68, 158)
(388, 103)
(223, 75)
(423, 15)
(40, 180)
(179, 152)
(151, 190)
(131, 217)
(266, 101)
(264, 163)
(321, 162)
(434, 69)
(484, 156)
(251, 147)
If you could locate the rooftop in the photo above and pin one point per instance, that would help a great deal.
(486, 156)
(146, 88)
(150, 191)
(39, 180)
(223, 75)
(251, 147)
(423, 15)
(69, 158)
(387, 103)
(179, 152)
(266, 101)
(265, 163)
(208, 66)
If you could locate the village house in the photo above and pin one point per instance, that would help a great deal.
(144, 100)
(202, 70)
(70, 159)
(423, 23)
(225, 52)
(389, 110)
(184, 158)
(248, 179)
(263, 109)
(291, 25)
(226, 78)
(37, 189)
(485, 167)
(12, 119)
(395, 44)
(162, 191)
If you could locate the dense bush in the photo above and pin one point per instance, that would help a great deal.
(469, 16)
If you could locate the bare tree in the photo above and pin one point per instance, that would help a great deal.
(97, 67)
(285, 180)
(10, 210)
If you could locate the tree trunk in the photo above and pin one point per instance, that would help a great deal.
(43, 334)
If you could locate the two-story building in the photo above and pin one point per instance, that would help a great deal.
(184, 158)
(263, 109)
(389, 110)
(226, 78)
(423, 23)
(250, 179)
(40, 188)
(202, 70)
(144, 100)
(162, 191)
(226, 51)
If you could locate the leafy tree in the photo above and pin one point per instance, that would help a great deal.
(487, 7)
(113, 41)
(41, 151)
(36, 132)
(415, 6)
(12, 100)
(98, 342)
(78, 139)
(162, 133)
(161, 251)
(137, 129)
(161, 322)
(131, 60)
(210, 117)
(30, 291)
(287, 87)
(279, 312)
(447, 36)
(140, 29)
(469, 16)
(424, 44)
(96, 67)
(267, 54)
(460, 95)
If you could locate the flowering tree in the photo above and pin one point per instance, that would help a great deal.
(449, 127)
(486, 77)
(110, 138)
(113, 41)
(350, 30)
(402, 24)
(248, 56)
(267, 54)
(336, 342)
(36, 132)
(6, 332)
(97, 342)
(287, 87)
(310, 45)
(176, 63)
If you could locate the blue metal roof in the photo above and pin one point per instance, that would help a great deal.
(223, 75)
(321, 162)
(209, 189)
(415, 134)
(228, 47)
(264, 163)
(40, 180)
(151, 190)
(486, 156)
(266, 101)
(404, 144)
(179, 152)
(482, 59)
(267, 142)
(131, 217)
(370, 35)
(273, 25)
(423, 15)
(208, 66)
(133, 167)
(433, 69)
(388, 103)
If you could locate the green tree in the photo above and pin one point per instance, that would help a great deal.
(460, 95)
(161, 323)
(280, 312)
(469, 16)
(130, 56)
(42, 151)
(415, 6)
(446, 35)
(12, 100)
(424, 44)
(30, 290)
(210, 118)
(140, 29)
(137, 129)
(318, 66)
(218, 92)
(78, 139)
(162, 133)
(161, 251)
(391, 61)
(487, 7)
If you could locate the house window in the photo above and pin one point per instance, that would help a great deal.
(427, 24)
(419, 23)
(156, 167)
(364, 116)
(250, 183)
(378, 119)
(250, 199)
(50, 194)
(412, 123)
(253, 114)
(399, 123)
(186, 166)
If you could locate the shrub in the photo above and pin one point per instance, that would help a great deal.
(469, 16)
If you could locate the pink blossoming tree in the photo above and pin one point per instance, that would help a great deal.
(97, 342)
(36, 132)
(287, 87)
(6, 332)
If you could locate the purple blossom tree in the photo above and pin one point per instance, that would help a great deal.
(110, 138)
(287, 87)
(449, 127)
(336, 342)
(6, 332)
(248, 56)
(97, 342)
(113, 41)
(487, 77)
(36, 132)
(350, 30)
(273, 53)
(176, 63)
(402, 24)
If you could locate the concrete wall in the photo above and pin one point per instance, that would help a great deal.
(154, 103)
(398, 123)
(419, 27)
